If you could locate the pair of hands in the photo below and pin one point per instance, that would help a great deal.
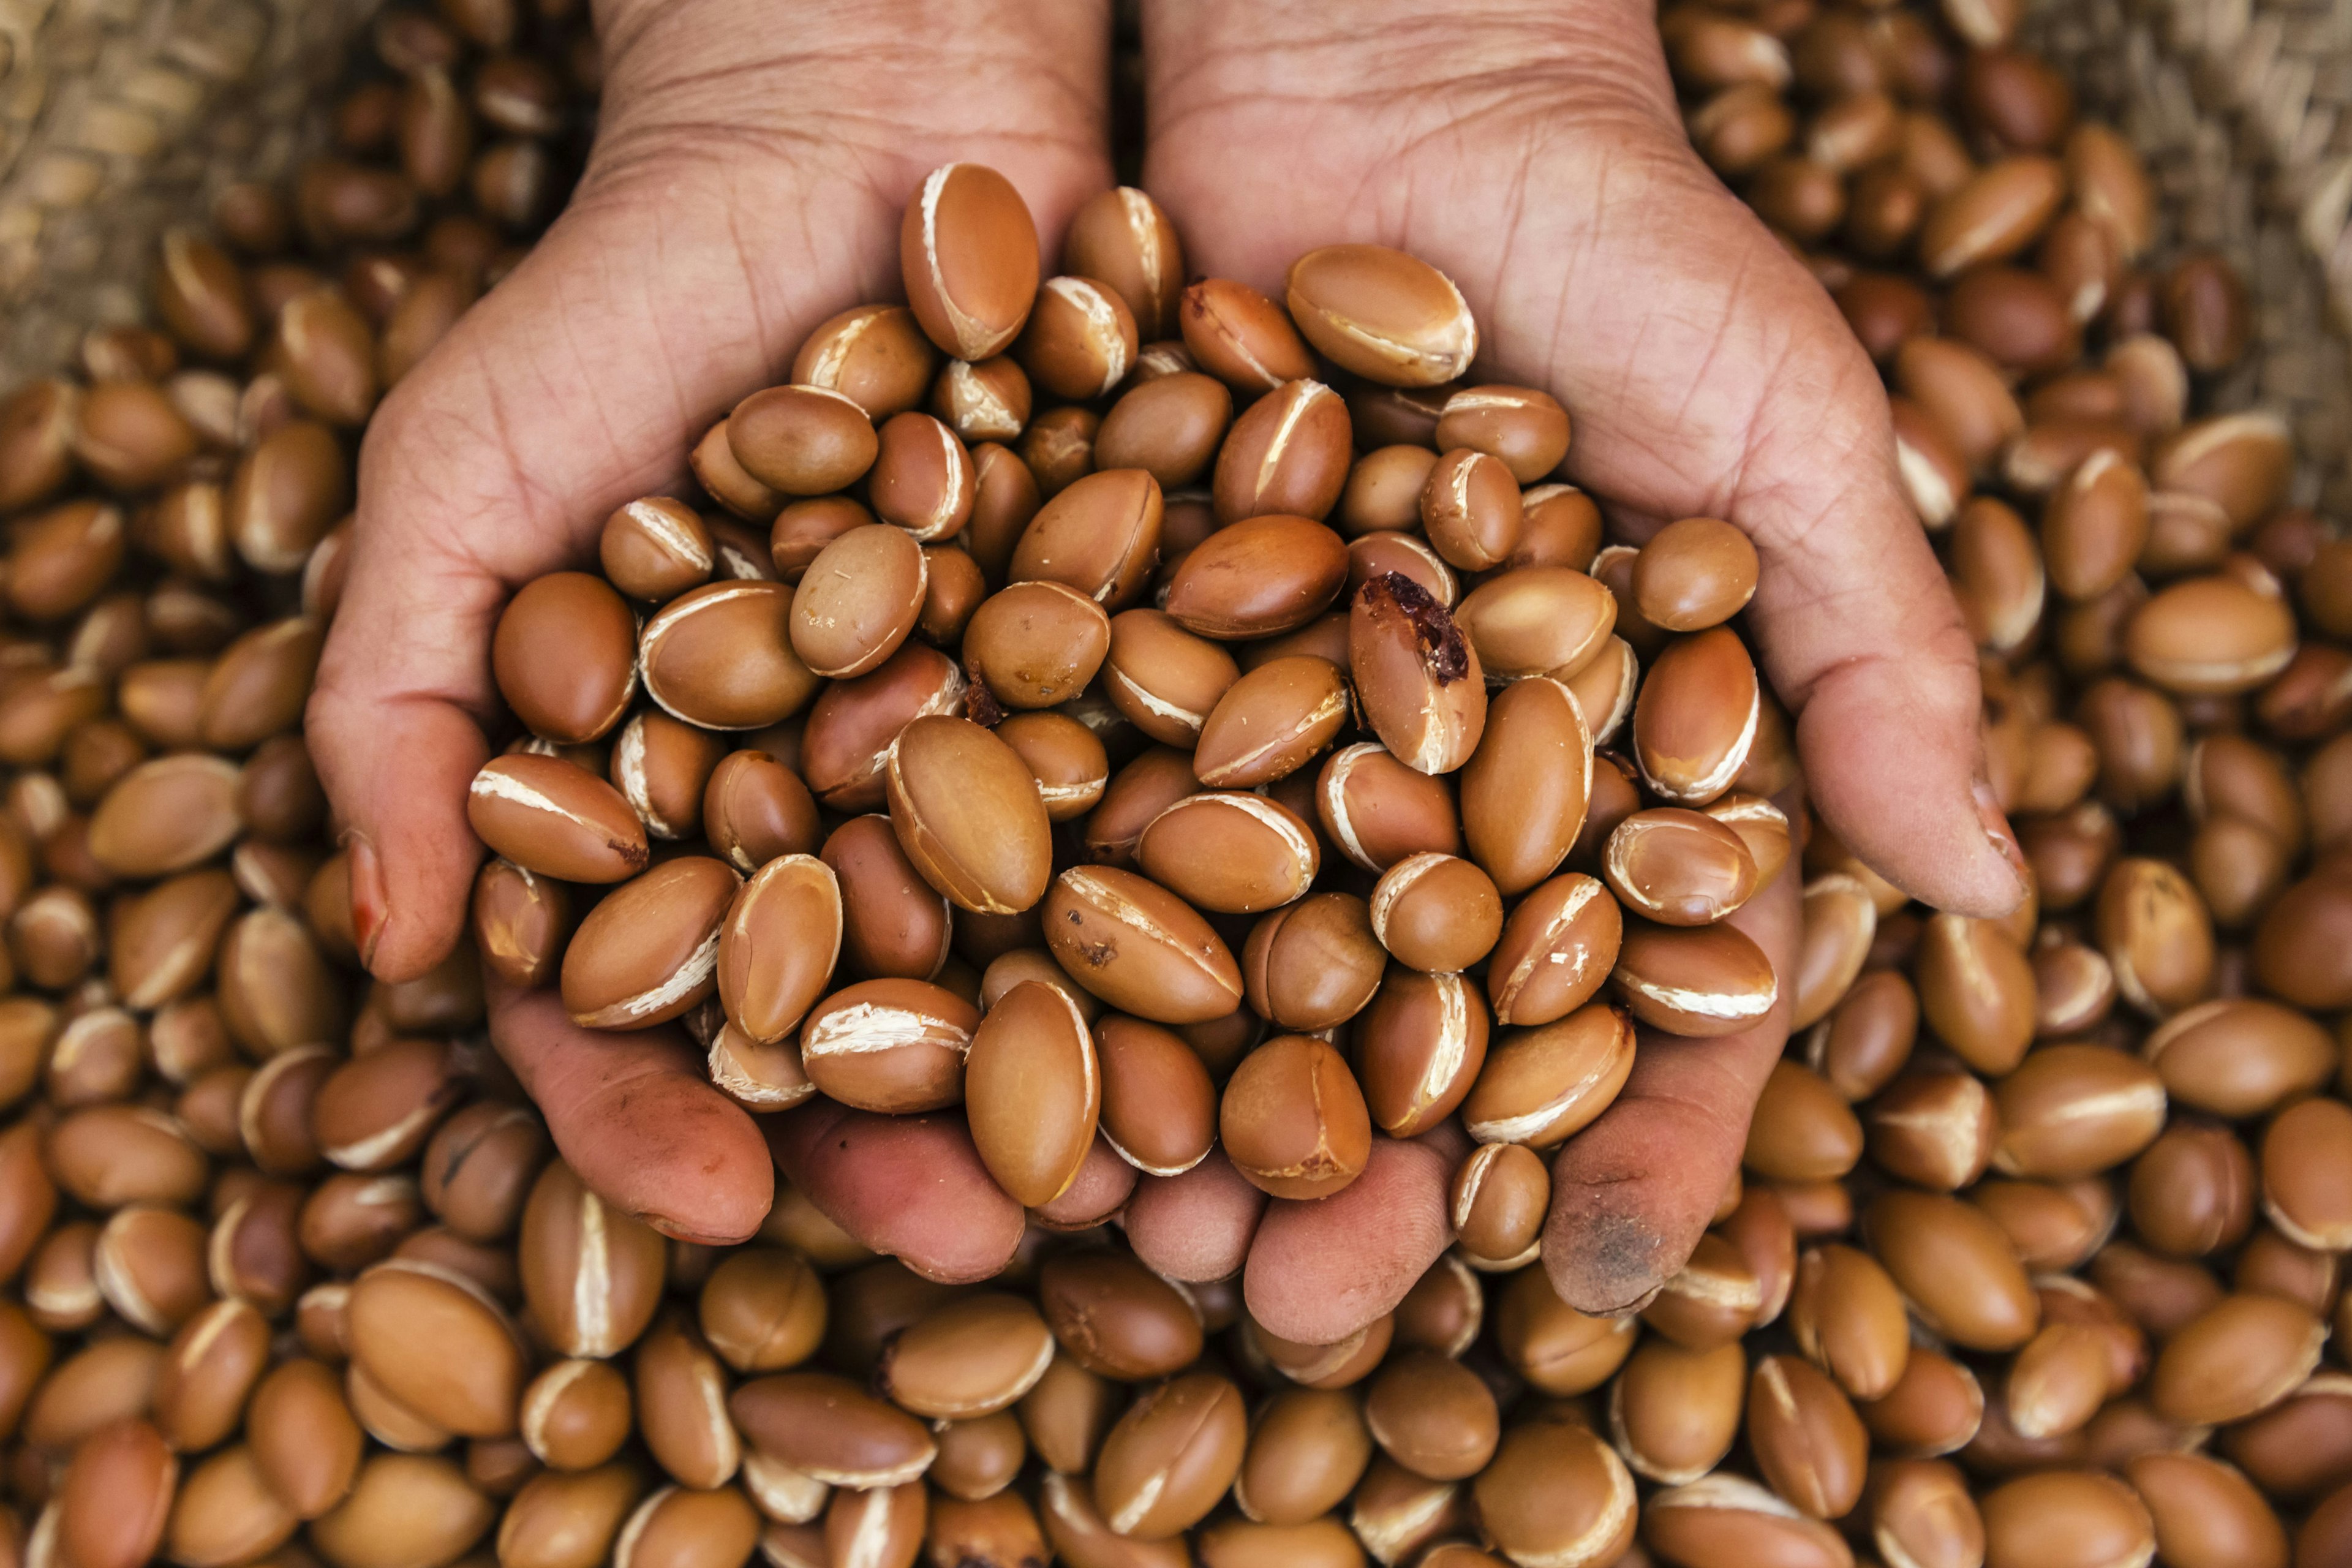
(746, 183)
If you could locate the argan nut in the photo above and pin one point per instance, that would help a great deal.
(1241, 337)
(649, 952)
(874, 355)
(721, 657)
(1032, 1093)
(967, 814)
(1696, 717)
(857, 601)
(968, 251)
(1419, 1048)
(1313, 965)
(1292, 1120)
(1231, 851)
(1702, 980)
(1416, 676)
(1287, 454)
(1170, 1458)
(1436, 912)
(1695, 573)
(1258, 577)
(550, 817)
(896, 1046)
(1384, 315)
(1272, 720)
(655, 549)
(1557, 1493)
(778, 945)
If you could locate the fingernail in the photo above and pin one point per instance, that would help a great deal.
(1997, 829)
(677, 1232)
(369, 905)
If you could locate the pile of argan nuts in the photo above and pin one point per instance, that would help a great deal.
(1155, 719)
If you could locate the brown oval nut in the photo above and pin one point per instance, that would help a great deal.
(845, 744)
(564, 656)
(2075, 1110)
(1386, 316)
(890, 1045)
(376, 1111)
(1286, 454)
(828, 1428)
(1378, 811)
(1976, 991)
(969, 815)
(1241, 337)
(1955, 1267)
(2240, 462)
(1033, 1094)
(1697, 717)
(1545, 1082)
(874, 355)
(553, 819)
(1434, 1415)
(1258, 577)
(1557, 1493)
(522, 922)
(114, 1496)
(1695, 573)
(1702, 980)
(1161, 677)
(968, 251)
(656, 549)
(1230, 851)
(1526, 787)
(1723, 1519)
(1308, 1448)
(1069, 763)
(1171, 1456)
(1292, 1120)
(988, 401)
(1471, 510)
(1037, 645)
(258, 684)
(1420, 1047)
(1497, 1203)
(208, 1372)
(439, 1345)
(857, 601)
(1678, 867)
(165, 815)
(763, 1310)
(2085, 1515)
(721, 657)
(805, 526)
(1556, 948)
(1159, 1107)
(1847, 1317)
(1270, 723)
(1673, 1413)
(1370, 554)
(1527, 430)
(1806, 1438)
(1417, 677)
(2304, 1155)
(1314, 964)
(754, 808)
(650, 951)
(1170, 428)
(2157, 934)
(1100, 535)
(1994, 215)
(662, 767)
(1436, 912)
(1080, 339)
(2215, 635)
(1537, 620)
(2094, 525)
(802, 440)
(778, 945)
(969, 1356)
(893, 923)
(923, 478)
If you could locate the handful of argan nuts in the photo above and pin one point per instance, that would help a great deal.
(2038, 1241)
(1100, 742)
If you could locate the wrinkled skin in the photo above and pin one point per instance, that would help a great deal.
(747, 184)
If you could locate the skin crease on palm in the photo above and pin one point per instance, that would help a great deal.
(747, 184)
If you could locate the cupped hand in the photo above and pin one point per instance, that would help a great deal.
(1531, 151)
(746, 183)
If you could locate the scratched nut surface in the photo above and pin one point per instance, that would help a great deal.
(891, 1046)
